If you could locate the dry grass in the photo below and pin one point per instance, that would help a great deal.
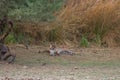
(97, 20)
(41, 32)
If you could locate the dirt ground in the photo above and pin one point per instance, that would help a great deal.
(86, 64)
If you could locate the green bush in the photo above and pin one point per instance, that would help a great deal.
(10, 39)
(84, 42)
(36, 10)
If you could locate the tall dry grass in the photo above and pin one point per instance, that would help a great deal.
(99, 20)
(80, 21)
(40, 32)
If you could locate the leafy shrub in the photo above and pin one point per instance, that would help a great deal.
(10, 39)
(84, 42)
(36, 10)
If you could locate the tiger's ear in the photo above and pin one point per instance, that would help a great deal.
(50, 46)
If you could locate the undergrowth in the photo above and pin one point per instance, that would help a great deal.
(99, 19)
(84, 42)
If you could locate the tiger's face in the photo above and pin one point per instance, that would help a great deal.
(52, 46)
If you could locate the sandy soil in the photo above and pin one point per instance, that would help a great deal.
(86, 64)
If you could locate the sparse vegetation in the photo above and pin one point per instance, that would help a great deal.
(84, 42)
(10, 39)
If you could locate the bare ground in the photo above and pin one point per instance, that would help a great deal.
(86, 64)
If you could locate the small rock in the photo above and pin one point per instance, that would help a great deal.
(6, 78)
(71, 73)
(30, 79)
(39, 51)
(75, 67)
(25, 67)
(43, 64)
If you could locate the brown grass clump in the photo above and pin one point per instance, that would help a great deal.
(54, 32)
(33, 30)
(99, 20)
(42, 32)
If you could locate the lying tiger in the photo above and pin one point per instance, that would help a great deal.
(58, 51)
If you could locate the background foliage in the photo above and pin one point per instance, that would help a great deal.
(64, 21)
(32, 10)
